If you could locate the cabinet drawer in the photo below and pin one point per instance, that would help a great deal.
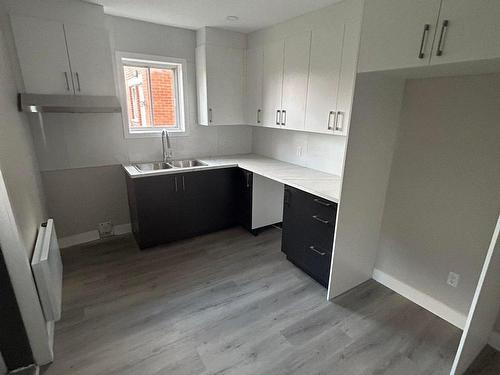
(314, 261)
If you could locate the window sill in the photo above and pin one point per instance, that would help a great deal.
(156, 134)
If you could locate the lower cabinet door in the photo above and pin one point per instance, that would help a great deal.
(244, 198)
(158, 205)
(209, 200)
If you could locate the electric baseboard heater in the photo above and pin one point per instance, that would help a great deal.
(48, 271)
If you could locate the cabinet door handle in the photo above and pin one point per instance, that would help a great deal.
(423, 42)
(323, 203)
(78, 82)
(339, 121)
(67, 80)
(278, 117)
(316, 217)
(210, 116)
(442, 36)
(248, 179)
(258, 115)
(183, 184)
(176, 187)
(332, 113)
(283, 118)
(317, 251)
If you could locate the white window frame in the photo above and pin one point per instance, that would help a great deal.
(154, 61)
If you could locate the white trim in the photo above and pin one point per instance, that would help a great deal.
(180, 93)
(92, 235)
(427, 302)
(494, 340)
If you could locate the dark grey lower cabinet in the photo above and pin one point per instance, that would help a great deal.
(308, 230)
(244, 185)
(171, 207)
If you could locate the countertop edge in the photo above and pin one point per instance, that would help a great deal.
(133, 173)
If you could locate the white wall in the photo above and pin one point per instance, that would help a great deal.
(22, 207)
(318, 151)
(443, 196)
(372, 135)
(17, 157)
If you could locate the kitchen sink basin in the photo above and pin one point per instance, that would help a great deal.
(154, 166)
(187, 163)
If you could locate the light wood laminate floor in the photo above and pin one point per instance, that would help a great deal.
(230, 303)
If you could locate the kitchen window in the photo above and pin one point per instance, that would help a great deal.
(152, 94)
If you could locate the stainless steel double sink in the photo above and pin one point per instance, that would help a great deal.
(174, 164)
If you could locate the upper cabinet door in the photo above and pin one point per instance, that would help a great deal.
(324, 74)
(43, 58)
(90, 58)
(468, 30)
(295, 78)
(225, 77)
(347, 81)
(399, 33)
(253, 86)
(272, 83)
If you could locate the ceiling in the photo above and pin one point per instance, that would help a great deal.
(193, 14)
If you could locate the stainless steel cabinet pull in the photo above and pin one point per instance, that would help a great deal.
(78, 82)
(442, 36)
(316, 217)
(339, 122)
(283, 118)
(67, 80)
(423, 42)
(183, 184)
(329, 126)
(210, 116)
(258, 115)
(176, 188)
(317, 251)
(326, 204)
(248, 179)
(278, 117)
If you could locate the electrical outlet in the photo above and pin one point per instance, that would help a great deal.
(453, 279)
(105, 229)
(299, 151)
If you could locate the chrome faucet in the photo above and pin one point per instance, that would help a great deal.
(166, 147)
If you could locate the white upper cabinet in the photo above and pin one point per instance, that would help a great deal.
(347, 81)
(90, 57)
(295, 78)
(43, 58)
(332, 75)
(272, 83)
(413, 33)
(57, 58)
(324, 76)
(253, 86)
(284, 85)
(220, 74)
(468, 30)
(397, 34)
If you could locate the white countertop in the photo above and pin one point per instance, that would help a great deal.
(322, 184)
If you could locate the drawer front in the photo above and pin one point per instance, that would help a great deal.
(314, 261)
(323, 208)
(308, 232)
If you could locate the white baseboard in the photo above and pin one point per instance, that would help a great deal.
(427, 302)
(494, 340)
(90, 236)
